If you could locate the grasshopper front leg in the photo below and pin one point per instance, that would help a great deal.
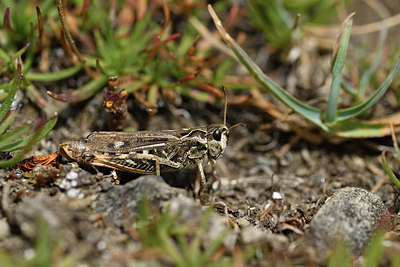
(158, 169)
(202, 177)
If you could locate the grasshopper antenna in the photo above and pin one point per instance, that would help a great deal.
(226, 103)
(237, 124)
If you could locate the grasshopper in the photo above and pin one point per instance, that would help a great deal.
(152, 152)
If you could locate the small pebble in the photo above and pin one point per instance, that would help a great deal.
(73, 193)
(243, 222)
(71, 176)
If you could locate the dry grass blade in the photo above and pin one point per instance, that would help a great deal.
(211, 38)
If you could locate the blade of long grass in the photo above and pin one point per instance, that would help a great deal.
(214, 246)
(31, 50)
(7, 138)
(5, 86)
(312, 114)
(81, 94)
(10, 97)
(347, 113)
(35, 137)
(375, 250)
(349, 89)
(7, 122)
(195, 94)
(54, 76)
(17, 55)
(3, 55)
(166, 242)
(339, 57)
(360, 129)
(366, 76)
(43, 244)
(389, 172)
(3, 94)
(28, 145)
(194, 251)
(13, 160)
(340, 255)
(274, 20)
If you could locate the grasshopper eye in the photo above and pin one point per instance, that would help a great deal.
(88, 156)
(217, 135)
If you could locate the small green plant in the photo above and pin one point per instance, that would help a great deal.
(147, 60)
(277, 18)
(373, 255)
(20, 21)
(25, 26)
(44, 251)
(9, 139)
(333, 122)
(275, 21)
(178, 243)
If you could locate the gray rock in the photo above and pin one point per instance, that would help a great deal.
(35, 214)
(121, 202)
(351, 214)
(191, 214)
(4, 229)
(250, 235)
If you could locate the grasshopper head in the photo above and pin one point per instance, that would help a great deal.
(74, 150)
(217, 140)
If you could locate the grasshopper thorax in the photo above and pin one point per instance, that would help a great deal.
(217, 140)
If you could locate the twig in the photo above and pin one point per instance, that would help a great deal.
(331, 31)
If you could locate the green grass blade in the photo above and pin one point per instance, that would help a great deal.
(214, 246)
(366, 76)
(194, 251)
(312, 114)
(13, 160)
(3, 55)
(100, 45)
(30, 51)
(274, 20)
(43, 243)
(7, 122)
(31, 141)
(54, 76)
(389, 172)
(340, 256)
(359, 129)
(17, 55)
(10, 97)
(5, 86)
(374, 252)
(81, 94)
(339, 58)
(7, 138)
(166, 243)
(348, 88)
(33, 138)
(347, 113)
